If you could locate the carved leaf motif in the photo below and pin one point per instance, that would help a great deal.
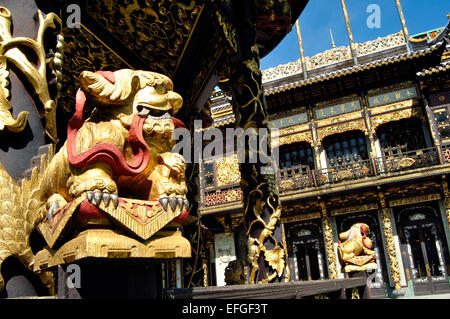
(275, 258)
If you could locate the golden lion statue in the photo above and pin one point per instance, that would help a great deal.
(234, 273)
(355, 250)
(117, 165)
(131, 118)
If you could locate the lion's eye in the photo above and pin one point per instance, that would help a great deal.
(160, 89)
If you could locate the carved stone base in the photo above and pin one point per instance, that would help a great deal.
(106, 243)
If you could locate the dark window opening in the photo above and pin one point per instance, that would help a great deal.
(405, 135)
(346, 148)
(296, 154)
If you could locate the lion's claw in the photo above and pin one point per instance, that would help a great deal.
(96, 197)
(174, 203)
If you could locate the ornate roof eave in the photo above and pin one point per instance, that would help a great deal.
(351, 70)
(417, 44)
(435, 70)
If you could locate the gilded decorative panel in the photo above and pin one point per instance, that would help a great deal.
(158, 30)
(83, 51)
(301, 217)
(223, 197)
(339, 119)
(227, 171)
(341, 128)
(392, 107)
(305, 136)
(395, 116)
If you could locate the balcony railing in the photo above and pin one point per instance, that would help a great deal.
(400, 161)
(347, 169)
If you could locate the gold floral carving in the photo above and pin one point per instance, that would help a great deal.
(354, 209)
(340, 118)
(35, 72)
(329, 246)
(414, 199)
(395, 116)
(159, 30)
(293, 138)
(227, 169)
(301, 217)
(390, 246)
(293, 129)
(392, 107)
(341, 128)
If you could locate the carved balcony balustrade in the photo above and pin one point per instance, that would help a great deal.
(341, 170)
(398, 159)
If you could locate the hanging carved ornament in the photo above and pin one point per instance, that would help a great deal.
(356, 249)
(123, 147)
(11, 51)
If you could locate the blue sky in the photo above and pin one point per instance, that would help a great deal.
(321, 15)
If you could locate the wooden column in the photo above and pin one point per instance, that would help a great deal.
(390, 245)
(329, 243)
(261, 204)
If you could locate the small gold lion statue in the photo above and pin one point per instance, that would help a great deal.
(355, 249)
(119, 143)
(234, 273)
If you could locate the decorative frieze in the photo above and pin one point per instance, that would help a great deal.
(395, 116)
(300, 217)
(332, 56)
(341, 128)
(414, 200)
(354, 209)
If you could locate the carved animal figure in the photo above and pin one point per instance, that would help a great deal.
(123, 148)
(355, 242)
(234, 273)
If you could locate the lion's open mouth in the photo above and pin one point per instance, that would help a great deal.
(145, 111)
